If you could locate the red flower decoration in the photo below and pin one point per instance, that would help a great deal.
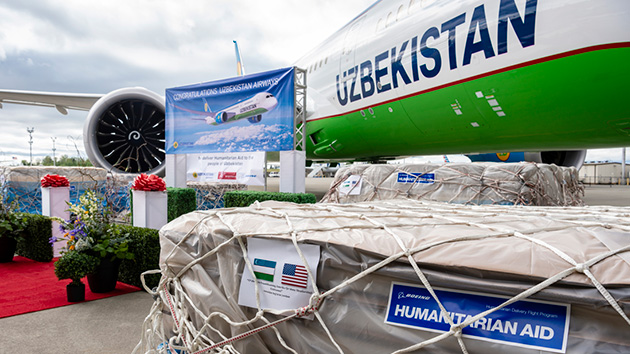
(148, 183)
(55, 181)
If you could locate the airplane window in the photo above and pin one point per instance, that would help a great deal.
(321, 62)
(389, 20)
(400, 14)
(379, 25)
(326, 61)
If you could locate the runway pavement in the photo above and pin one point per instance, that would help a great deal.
(614, 195)
(113, 325)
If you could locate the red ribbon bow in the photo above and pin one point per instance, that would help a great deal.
(148, 183)
(55, 181)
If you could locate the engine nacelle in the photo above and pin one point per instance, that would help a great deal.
(221, 117)
(255, 119)
(573, 158)
(124, 132)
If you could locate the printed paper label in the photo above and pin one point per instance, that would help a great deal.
(283, 280)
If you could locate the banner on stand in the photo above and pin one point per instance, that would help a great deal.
(246, 113)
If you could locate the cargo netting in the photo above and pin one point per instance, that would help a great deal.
(578, 256)
(211, 195)
(21, 185)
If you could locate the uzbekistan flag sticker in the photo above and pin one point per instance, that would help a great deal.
(264, 269)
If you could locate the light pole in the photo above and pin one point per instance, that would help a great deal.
(30, 142)
(623, 165)
(54, 159)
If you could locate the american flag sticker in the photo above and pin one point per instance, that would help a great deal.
(264, 269)
(294, 275)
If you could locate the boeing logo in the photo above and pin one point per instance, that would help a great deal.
(402, 295)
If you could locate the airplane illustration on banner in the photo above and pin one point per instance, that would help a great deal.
(422, 77)
(251, 108)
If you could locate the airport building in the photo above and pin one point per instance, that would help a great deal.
(604, 173)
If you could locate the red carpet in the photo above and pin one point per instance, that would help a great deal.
(28, 286)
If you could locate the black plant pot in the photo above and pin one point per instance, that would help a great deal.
(7, 248)
(105, 276)
(75, 292)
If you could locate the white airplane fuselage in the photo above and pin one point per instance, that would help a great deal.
(255, 106)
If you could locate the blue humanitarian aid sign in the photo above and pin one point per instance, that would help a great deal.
(246, 113)
(526, 323)
(406, 177)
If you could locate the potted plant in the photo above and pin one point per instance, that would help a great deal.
(111, 250)
(89, 231)
(12, 224)
(75, 265)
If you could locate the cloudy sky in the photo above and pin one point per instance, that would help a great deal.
(90, 46)
(87, 46)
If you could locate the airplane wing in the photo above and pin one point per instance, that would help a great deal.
(61, 101)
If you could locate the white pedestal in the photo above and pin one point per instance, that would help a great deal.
(176, 171)
(292, 171)
(149, 209)
(54, 203)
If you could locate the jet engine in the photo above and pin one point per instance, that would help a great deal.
(221, 117)
(255, 119)
(124, 132)
(569, 158)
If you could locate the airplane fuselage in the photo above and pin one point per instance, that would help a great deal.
(255, 106)
(470, 76)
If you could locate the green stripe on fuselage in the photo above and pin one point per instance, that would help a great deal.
(248, 114)
(255, 112)
(573, 102)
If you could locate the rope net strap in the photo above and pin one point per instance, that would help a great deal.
(195, 331)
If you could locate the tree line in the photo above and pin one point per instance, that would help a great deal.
(64, 160)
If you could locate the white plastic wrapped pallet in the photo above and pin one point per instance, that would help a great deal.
(463, 183)
(576, 256)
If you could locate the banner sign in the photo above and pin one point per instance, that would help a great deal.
(246, 113)
(237, 167)
(526, 323)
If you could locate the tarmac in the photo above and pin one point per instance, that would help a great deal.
(113, 325)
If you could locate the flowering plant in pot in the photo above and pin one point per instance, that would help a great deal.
(75, 265)
(12, 223)
(89, 231)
